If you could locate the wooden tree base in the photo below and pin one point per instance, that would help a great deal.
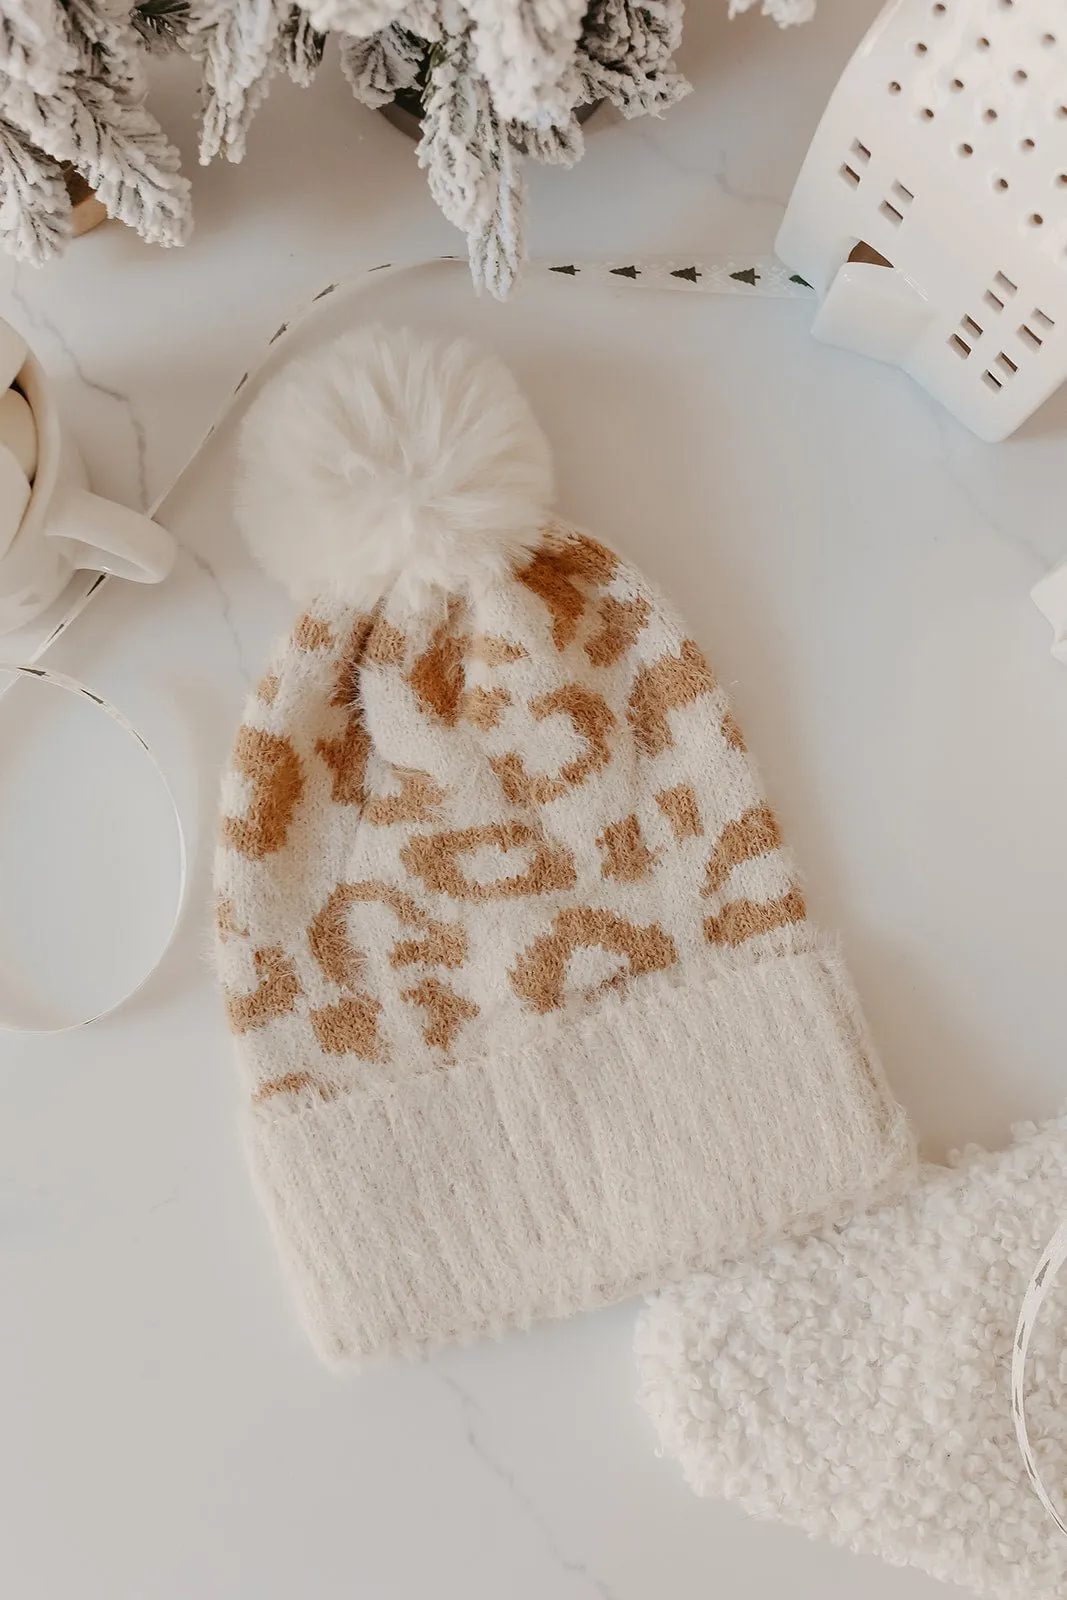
(87, 210)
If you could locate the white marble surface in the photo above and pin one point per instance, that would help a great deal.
(858, 568)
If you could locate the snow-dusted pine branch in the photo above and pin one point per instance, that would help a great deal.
(302, 47)
(498, 249)
(239, 45)
(626, 55)
(458, 133)
(472, 167)
(360, 18)
(118, 147)
(33, 50)
(524, 49)
(555, 146)
(787, 13)
(162, 24)
(381, 67)
(93, 119)
(107, 44)
(35, 213)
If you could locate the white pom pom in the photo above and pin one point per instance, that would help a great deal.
(392, 462)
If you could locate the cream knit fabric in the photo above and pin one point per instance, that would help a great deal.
(518, 968)
(857, 1383)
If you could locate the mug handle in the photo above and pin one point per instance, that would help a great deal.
(103, 536)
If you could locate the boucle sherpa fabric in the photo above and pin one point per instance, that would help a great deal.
(520, 973)
(857, 1383)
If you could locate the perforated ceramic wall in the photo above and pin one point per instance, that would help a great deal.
(943, 151)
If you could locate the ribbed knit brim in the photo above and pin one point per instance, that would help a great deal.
(652, 1137)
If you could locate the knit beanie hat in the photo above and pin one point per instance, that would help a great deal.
(519, 972)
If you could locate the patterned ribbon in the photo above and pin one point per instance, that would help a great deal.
(1052, 1259)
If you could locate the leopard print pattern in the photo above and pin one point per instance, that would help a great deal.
(437, 825)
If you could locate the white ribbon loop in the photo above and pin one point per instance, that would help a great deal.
(59, 680)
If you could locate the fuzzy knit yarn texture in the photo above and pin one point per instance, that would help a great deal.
(528, 1006)
(856, 1383)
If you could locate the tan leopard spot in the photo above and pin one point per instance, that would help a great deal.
(373, 891)
(731, 732)
(227, 923)
(419, 800)
(547, 578)
(267, 688)
(386, 645)
(350, 1027)
(443, 944)
(751, 835)
(482, 707)
(679, 806)
(667, 685)
(446, 1011)
(435, 858)
(621, 621)
(328, 937)
(744, 919)
(586, 558)
(551, 573)
(345, 691)
(346, 757)
(522, 788)
(311, 633)
(540, 972)
(592, 719)
(626, 856)
(275, 995)
(496, 651)
(437, 676)
(273, 770)
(296, 1083)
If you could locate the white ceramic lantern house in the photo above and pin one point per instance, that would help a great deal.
(931, 211)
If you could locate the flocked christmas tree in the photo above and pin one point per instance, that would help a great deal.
(502, 81)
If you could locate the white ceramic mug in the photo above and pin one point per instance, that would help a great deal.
(65, 526)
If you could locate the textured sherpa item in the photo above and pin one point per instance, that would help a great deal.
(857, 1383)
(531, 1015)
